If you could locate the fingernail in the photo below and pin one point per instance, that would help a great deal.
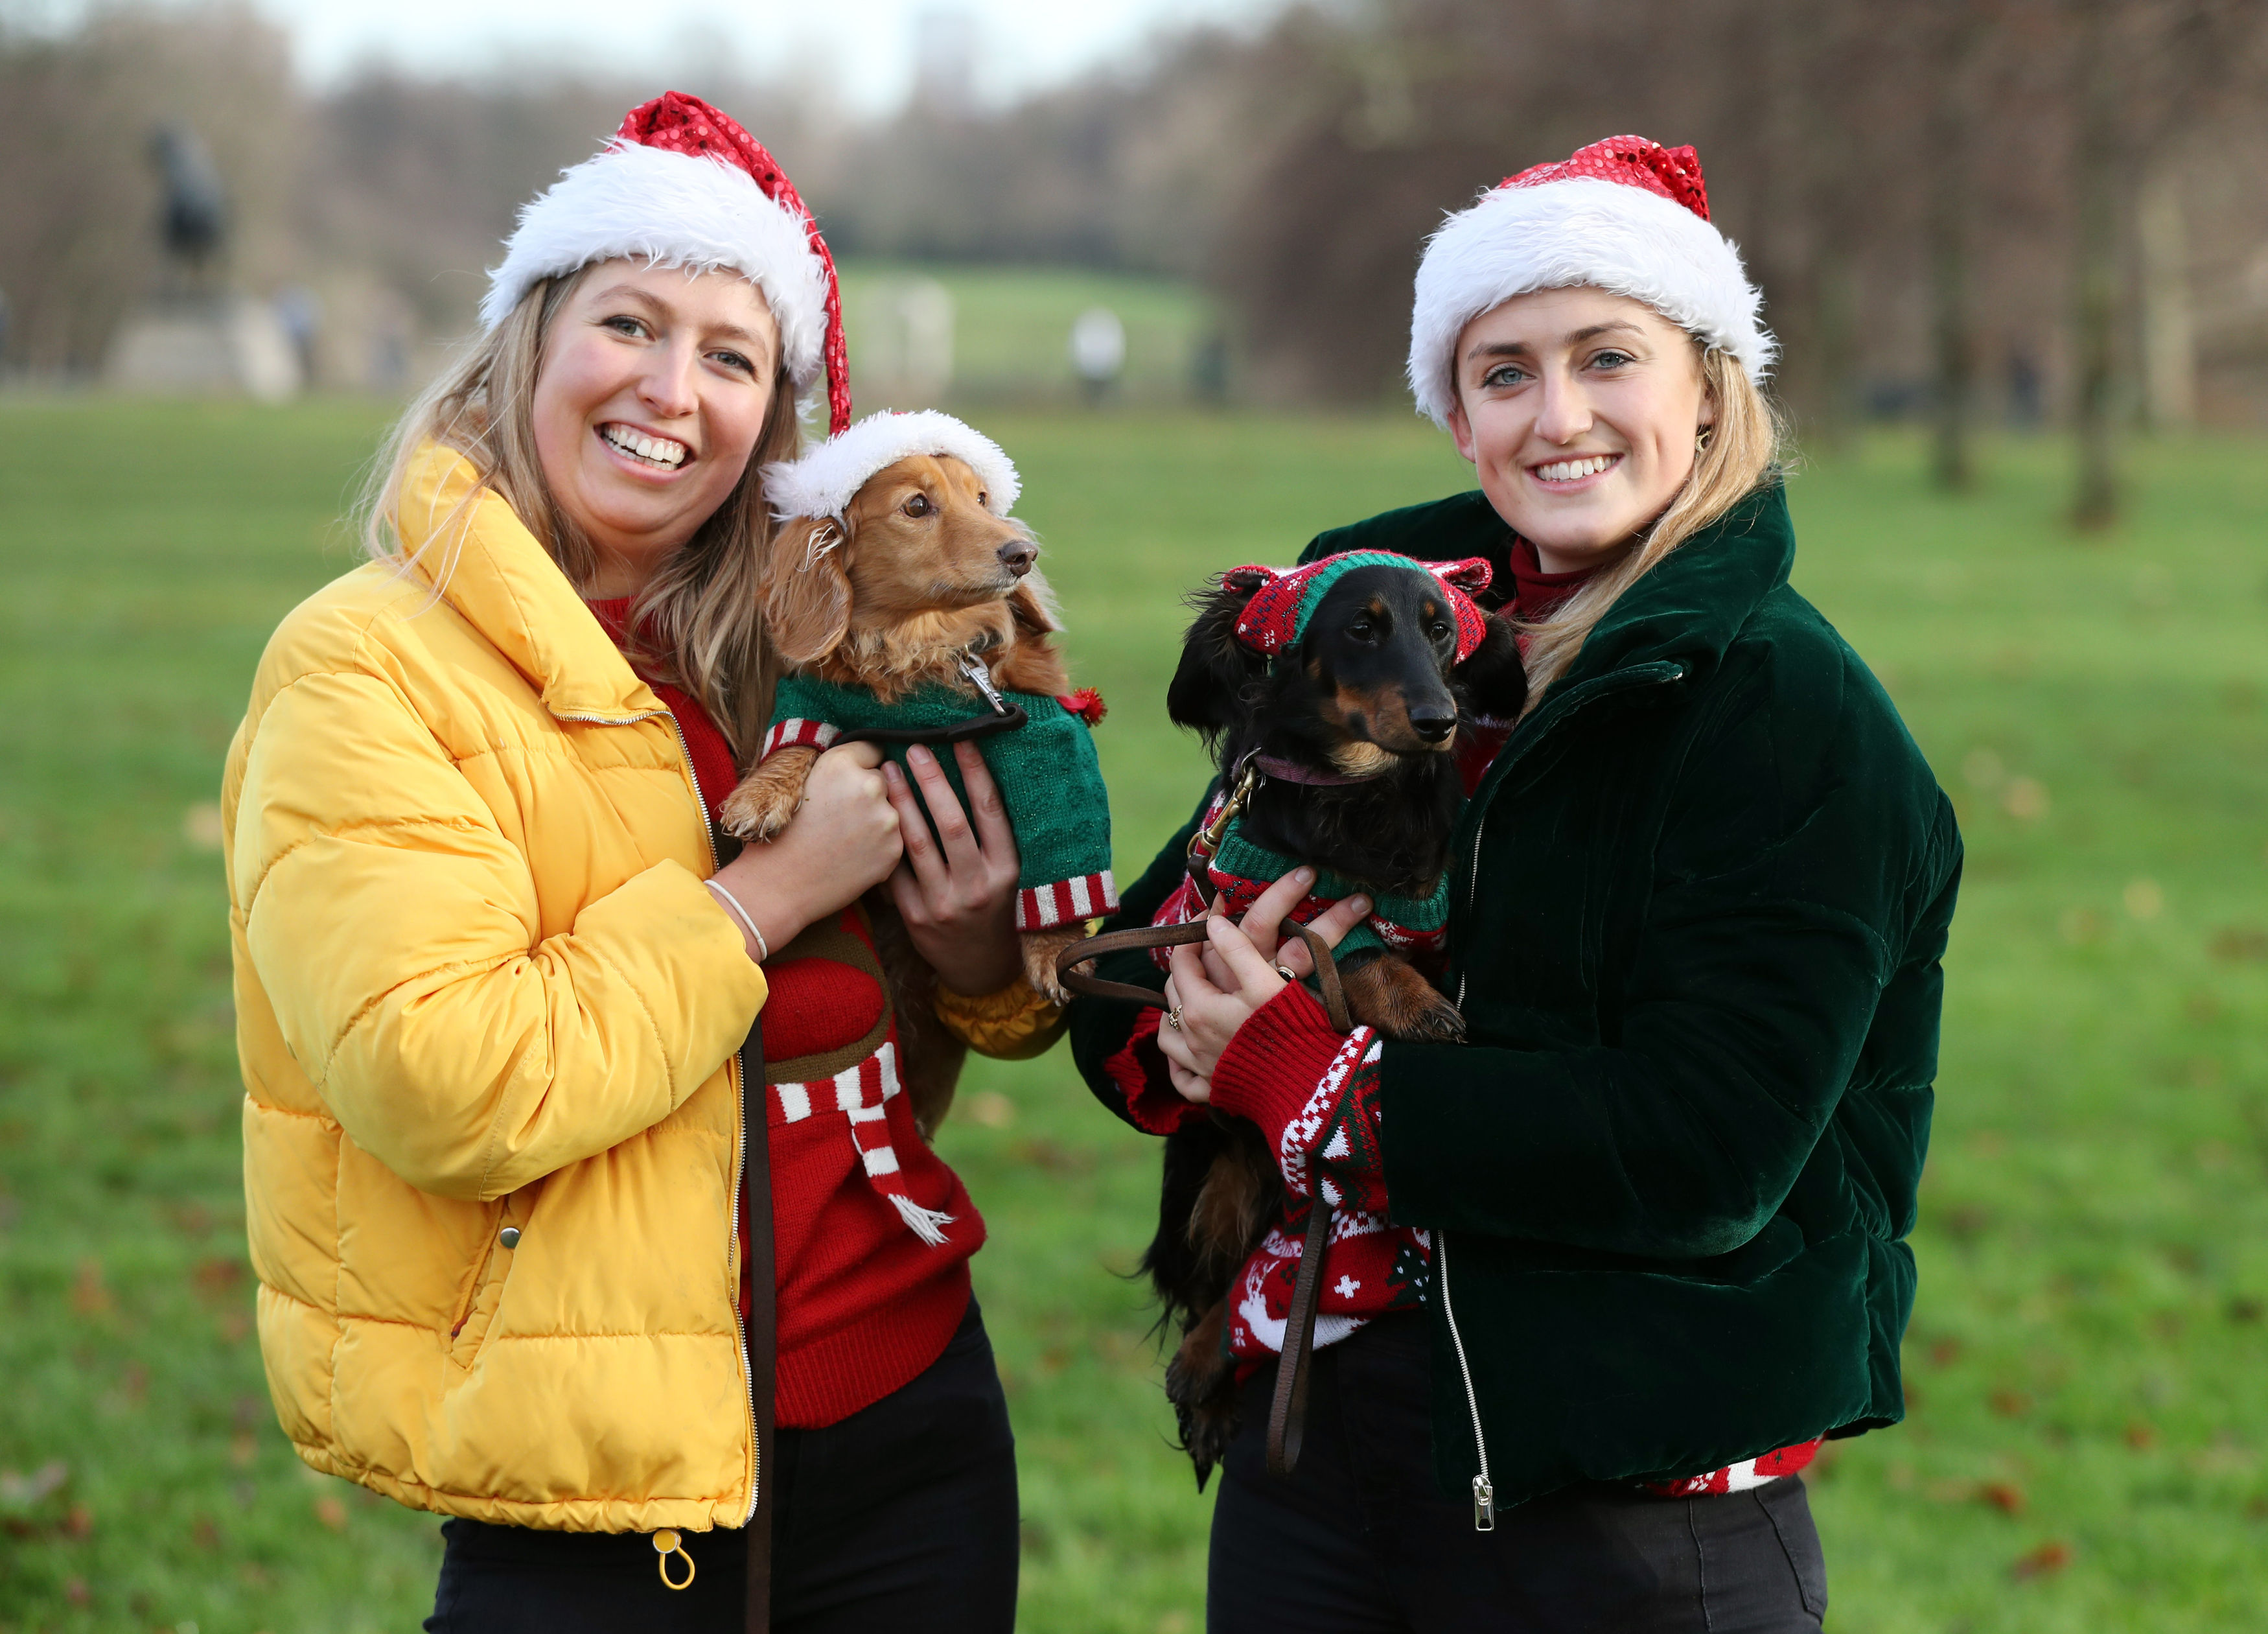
(1360, 905)
(917, 749)
(1306, 876)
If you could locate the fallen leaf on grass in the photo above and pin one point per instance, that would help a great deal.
(200, 827)
(90, 1297)
(992, 1109)
(76, 1592)
(2241, 944)
(2010, 1403)
(2005, 1495)
(2141, 1437)
(2025, 799)
(2050, 1556)
(331, 1513)
(20, 1492)
(80, 1522)
(2244, 1309)
(217, 1277)
(243, 1447)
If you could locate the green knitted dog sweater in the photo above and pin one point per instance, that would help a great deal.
(1045, 769)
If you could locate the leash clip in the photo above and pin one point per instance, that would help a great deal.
(981, 678)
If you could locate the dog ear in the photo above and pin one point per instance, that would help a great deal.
(1033, 604)
(1494, 679)
(807, 590)
(1216, 668)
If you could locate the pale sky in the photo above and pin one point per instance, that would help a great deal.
(867, 48)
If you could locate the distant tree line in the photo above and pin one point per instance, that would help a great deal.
(1969, 208)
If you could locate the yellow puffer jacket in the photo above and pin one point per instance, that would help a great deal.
(488, 1016)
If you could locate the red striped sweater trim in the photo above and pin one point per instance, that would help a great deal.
(795, 733)
(1066, 901)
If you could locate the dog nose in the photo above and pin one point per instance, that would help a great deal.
(1018, 555)
(1432, 728)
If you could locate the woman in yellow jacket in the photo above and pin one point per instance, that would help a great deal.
(492, 981)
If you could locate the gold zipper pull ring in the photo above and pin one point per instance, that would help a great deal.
(666, 1543)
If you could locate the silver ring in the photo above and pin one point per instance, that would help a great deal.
(1286, 974)
(1174, 1018)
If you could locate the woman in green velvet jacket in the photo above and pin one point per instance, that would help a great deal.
(1647, 1221)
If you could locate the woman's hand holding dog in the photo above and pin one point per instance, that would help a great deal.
(957, 892)
(1217, 986)
(843, 841)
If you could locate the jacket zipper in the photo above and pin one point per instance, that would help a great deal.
(740, 1104)
(1483, 1489)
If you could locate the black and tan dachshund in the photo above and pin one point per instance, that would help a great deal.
(1358, 723)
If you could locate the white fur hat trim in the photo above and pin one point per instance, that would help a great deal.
(829, 477)
(1580, 230)
(671, 210)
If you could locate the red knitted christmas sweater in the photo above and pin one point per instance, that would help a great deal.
(871, 1232)
(1314, 1095)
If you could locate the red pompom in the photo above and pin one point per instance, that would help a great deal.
(1086, 703)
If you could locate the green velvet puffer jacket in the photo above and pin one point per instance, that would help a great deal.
(1700, 902)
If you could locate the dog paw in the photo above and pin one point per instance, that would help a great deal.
(761, 806)
(1039, 948)
(1436, 1024)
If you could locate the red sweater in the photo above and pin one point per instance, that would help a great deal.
(865, 1302)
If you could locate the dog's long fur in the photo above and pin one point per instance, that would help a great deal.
(917, 574)
(1370, 690)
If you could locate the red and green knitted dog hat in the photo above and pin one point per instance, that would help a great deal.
(1277, 616)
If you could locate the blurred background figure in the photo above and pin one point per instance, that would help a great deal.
(1098, 352)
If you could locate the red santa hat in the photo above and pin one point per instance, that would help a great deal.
(681, 185)
(829, 475)
(1284, 598)
(1626, 215)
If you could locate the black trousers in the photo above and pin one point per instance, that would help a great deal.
(904, 1515)
(1356, 1537)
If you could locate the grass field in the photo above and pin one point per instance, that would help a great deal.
(2085, 1450)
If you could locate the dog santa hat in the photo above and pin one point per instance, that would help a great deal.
(1626, 215)
(682, 185)
(826, 478)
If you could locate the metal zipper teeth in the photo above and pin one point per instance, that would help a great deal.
(739, 1101)
(1483, 1489)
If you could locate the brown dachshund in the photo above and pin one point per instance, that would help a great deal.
(916, 577)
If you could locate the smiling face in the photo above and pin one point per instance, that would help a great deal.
(652, 394)
(1579, 410)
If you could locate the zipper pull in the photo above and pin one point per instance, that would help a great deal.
(1484, 1504)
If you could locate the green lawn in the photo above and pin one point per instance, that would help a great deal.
(2085, 1451)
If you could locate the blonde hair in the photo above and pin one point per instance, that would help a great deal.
(1742, 451)
(702, 606)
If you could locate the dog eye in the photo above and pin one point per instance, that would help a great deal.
(918, 505)
(1362, 630)
(1441, 633)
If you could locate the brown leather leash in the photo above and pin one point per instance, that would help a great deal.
(1287, 1409)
